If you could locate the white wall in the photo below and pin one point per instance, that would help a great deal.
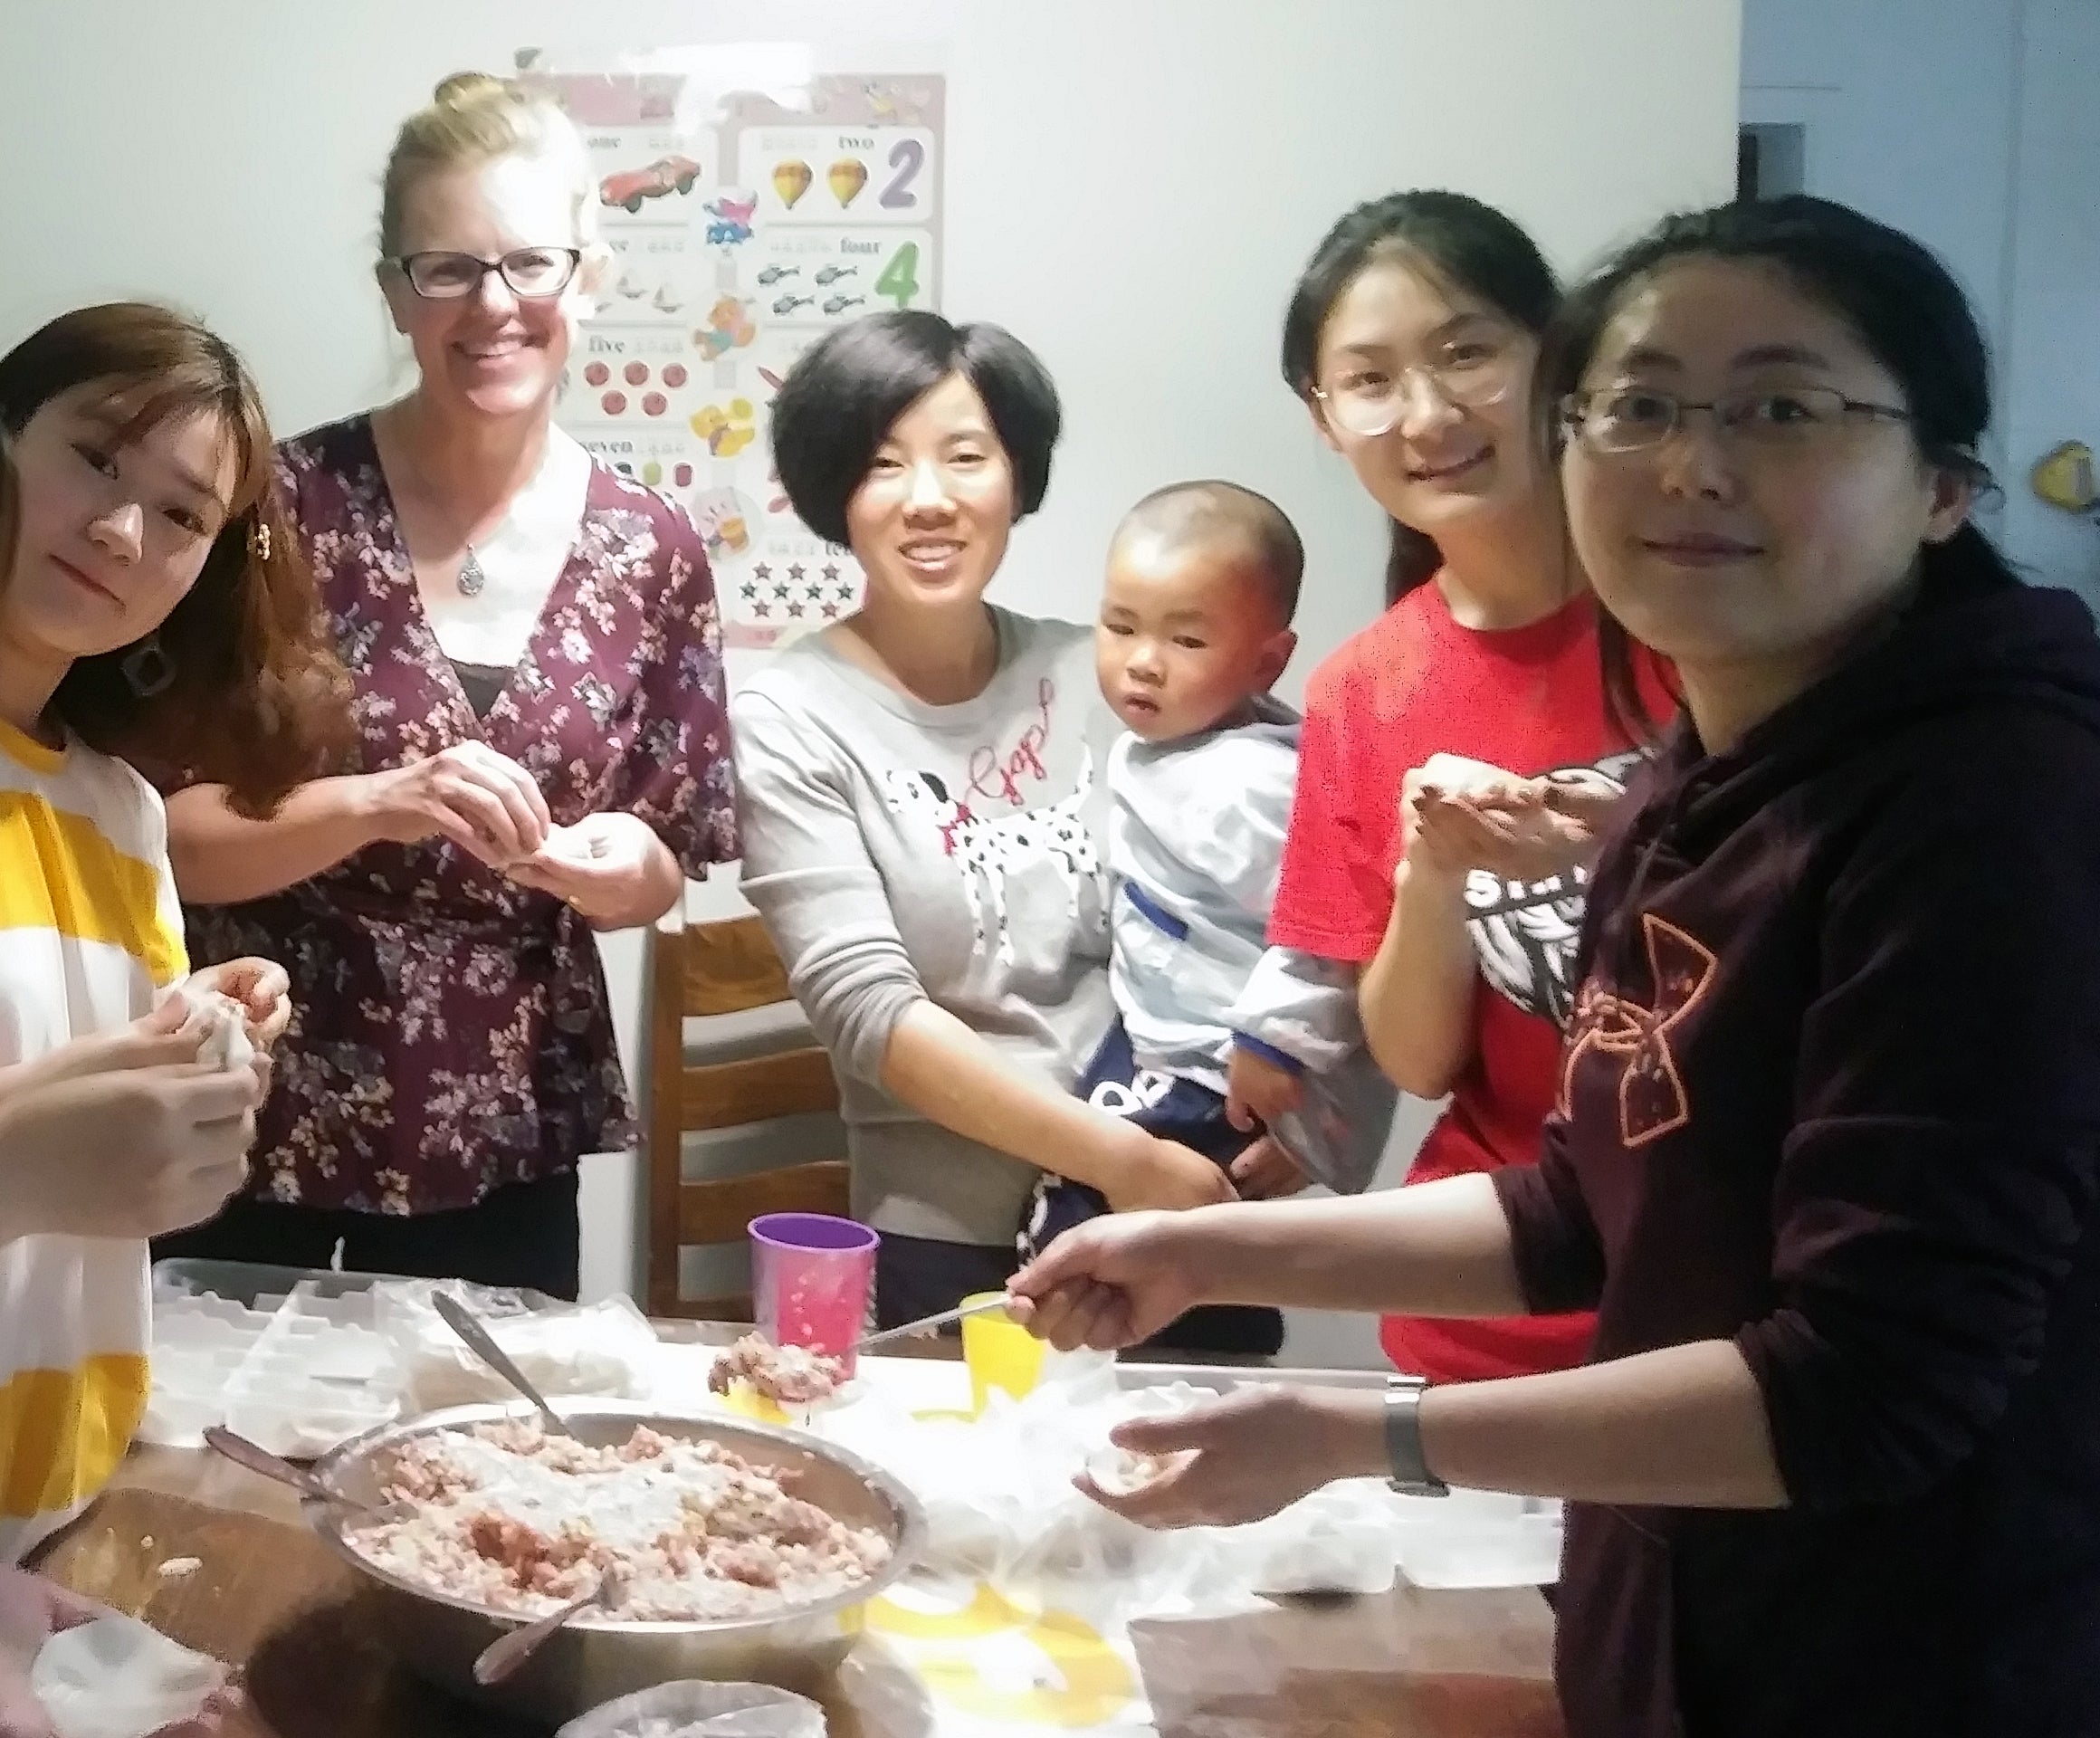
(2050, 365)
(1132, 186)
(1970, 123)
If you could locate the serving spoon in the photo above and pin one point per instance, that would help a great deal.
(503, 1655)
(464, 1323)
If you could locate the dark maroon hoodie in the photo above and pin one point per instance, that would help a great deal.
(1832, 1092)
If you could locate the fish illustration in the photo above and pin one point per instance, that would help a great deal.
(773, 274)
(833, 273)
(789, 304)
(839, 304)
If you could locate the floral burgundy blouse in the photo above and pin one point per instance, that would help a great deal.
(451, 1032)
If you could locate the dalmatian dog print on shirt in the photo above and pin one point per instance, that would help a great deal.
(992, 837)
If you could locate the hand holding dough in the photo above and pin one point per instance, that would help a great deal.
(226, 1045)
(1121, 1473)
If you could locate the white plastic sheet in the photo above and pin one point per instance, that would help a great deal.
(690, 1709)
(117, 1677)
(604, 1351)
(1001, 1508)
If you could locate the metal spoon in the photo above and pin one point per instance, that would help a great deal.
(462, 1321)
(931, 1323)
(259, 1459)
(503, 1655)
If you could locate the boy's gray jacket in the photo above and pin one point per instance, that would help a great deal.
(1196, 849)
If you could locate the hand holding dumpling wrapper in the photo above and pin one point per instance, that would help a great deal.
(224, 1025)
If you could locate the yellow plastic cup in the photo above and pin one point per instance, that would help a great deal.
(1000, 1354)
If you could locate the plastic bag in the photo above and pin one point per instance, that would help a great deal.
(1000, 1507)
(605, 1350)
(692, 1709)
(1479, 1539)
(117, 1677)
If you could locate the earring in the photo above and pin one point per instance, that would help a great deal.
(259, 540)
(148, 669)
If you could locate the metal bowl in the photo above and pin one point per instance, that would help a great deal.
(594, 1658)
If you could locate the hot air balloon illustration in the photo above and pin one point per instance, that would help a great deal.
(792, 179)
(845, 178)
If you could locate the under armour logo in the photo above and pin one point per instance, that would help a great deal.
(1652, 1101)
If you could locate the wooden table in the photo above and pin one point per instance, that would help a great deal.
(270, 1599)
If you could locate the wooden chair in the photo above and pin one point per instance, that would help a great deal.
(702, 973)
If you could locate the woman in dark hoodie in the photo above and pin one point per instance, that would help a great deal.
(1828, 1145)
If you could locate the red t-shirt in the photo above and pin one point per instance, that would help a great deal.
(1529, 700)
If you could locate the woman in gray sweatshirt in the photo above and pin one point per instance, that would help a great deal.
(921, 804)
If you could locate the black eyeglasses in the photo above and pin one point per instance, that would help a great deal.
(531, 272)
(1631, 419)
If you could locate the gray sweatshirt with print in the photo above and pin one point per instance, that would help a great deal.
(899, 852)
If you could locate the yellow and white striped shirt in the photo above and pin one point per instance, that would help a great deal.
(89, 930)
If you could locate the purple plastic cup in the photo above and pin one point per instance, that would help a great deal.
(811, 1274)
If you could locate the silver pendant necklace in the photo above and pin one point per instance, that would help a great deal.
(471, 579)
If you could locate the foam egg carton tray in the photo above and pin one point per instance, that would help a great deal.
(292, 1361)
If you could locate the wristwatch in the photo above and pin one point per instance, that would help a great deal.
(1410, 1475)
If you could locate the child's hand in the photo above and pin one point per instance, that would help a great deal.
(1265, 1172)
(1259, 1090)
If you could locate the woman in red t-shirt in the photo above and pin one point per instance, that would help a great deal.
(1411, 339)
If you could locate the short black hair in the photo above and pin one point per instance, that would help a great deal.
(1212, 511)
(845, 392)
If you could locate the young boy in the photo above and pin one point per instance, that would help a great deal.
(1194, 627)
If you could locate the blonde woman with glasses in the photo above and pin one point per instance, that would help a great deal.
(545, 749)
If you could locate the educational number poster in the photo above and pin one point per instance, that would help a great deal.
(743, 226)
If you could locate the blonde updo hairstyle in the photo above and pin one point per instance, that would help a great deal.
(476, 117)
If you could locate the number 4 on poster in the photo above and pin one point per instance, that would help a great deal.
(900, 279)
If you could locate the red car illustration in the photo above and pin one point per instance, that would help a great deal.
(666, 175)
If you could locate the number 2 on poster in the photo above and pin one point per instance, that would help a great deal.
(900, 279)
(907, 156)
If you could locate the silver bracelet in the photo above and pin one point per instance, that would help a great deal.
(1410, 1474)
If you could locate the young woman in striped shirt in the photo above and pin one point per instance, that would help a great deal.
(151, 607)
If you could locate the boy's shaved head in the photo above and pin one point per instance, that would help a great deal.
(1223, 517)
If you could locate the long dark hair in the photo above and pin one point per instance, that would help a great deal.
(1472, 246)
(252, 695)
(1901, 302)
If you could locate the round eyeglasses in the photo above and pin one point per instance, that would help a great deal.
(530, 272)
(1632, 419)
(1368, 399)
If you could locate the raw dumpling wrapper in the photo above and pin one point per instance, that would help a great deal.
(1119, 1472)
(117, 1677)
(226, 1046)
